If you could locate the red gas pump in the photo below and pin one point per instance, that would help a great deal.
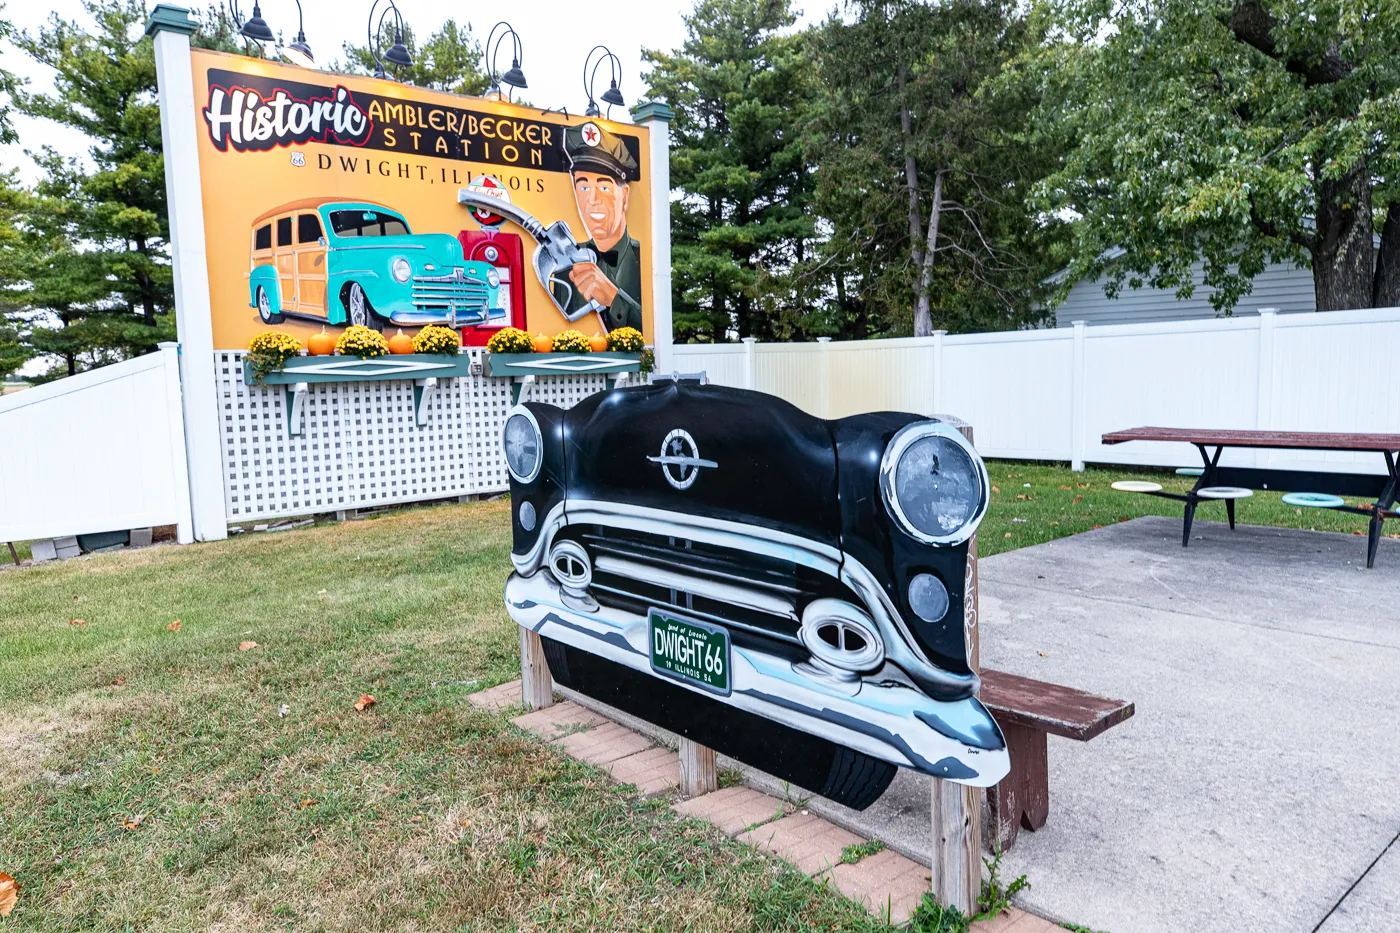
(507, 254)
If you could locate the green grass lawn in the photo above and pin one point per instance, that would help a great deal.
(149, 779)
(166, 780)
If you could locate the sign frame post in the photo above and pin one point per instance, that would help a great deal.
(171, 28)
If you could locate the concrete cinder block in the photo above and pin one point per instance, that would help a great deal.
(140, 537)
(67, 547)
(43, 550)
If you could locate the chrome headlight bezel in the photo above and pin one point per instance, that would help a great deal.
(539, 444)
(493, 278)
(401, 269)
(889, 467)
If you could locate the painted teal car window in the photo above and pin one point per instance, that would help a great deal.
(308, 228)
(367, 223)
(262, 237)
(284, 231)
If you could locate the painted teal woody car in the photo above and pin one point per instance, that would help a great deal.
(354, 262)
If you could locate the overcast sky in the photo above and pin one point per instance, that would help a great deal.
(556, 35)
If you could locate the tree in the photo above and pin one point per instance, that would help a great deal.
(741, 89)
(448, 61)
(1234, 132)
(925, 164)
(9, 83)
(94, 231)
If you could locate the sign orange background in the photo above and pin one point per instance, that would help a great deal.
(407, 167)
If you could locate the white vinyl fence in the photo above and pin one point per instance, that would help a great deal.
(100, 451)
(1051, 394)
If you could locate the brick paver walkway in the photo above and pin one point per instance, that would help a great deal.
(886, 883)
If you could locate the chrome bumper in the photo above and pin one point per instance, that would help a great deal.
(958, 741)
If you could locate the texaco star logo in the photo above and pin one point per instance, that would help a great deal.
(591, 134)
(680, 459)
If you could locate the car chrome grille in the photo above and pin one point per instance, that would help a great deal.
(746, 593)
(449, 293)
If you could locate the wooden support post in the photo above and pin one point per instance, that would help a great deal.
(957, 810)
(699, 775)
(14, 555)
(536, 684)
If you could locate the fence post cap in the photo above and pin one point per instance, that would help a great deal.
(170, 18)
(823, 340)
(749, 340)
(940, 333)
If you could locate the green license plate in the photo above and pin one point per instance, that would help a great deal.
(689, 650)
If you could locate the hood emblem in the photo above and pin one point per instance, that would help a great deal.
(680, 459)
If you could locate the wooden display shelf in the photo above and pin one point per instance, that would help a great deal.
(604, 362)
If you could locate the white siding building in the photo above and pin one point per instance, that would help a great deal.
(1283, 286)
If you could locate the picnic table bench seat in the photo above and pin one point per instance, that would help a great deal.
(1028, 711)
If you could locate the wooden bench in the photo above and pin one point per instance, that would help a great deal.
(1029, 710)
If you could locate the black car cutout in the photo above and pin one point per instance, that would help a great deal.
(784, 589)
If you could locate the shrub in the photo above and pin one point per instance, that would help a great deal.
(434, 339)
(511, 340)
(363, 342)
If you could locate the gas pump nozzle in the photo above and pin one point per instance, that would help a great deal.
(555, 255)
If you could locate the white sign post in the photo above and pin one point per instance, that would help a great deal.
(172, 27)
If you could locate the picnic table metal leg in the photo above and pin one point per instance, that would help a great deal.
(1373, 539)
(1186, 522)
(1230, 512)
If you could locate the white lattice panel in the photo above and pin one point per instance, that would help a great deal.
(361, 445)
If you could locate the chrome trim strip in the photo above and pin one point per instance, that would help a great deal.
(646, 553)
(777, 544)
(529, 562)
(889, 464)
(698, 586)
(706, 616)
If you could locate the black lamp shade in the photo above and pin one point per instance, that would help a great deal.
(613, 96)
(257, 28)
(398, 53)
(514, 77)
(592, 110)
(300, 53)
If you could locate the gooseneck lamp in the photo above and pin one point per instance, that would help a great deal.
(397, 54)
(299, 53)
(256, 28)
(612, 95)
(513, 75)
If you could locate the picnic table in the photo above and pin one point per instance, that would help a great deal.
(1381, 489)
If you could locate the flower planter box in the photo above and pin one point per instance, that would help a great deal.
(606, 362)
(310, 369)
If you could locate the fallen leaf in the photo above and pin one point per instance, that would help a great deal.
(173, 626)
(1078, 499)
(308, 802)
(1022, 496)
(118, 681)
(996, 489)
(1007, 535)
(78, 622)
(1066, 488)
(1042, 654)
(133, 822)
(9, 894)
(247, 645)
(365, 702)
(1082, 485)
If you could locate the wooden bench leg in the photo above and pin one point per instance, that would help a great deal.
(536, 684)
(1023, 796)
(699, 774)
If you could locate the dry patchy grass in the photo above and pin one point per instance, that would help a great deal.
(161, 780)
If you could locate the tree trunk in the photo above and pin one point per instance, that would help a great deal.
(1386, 294)
(923, 319)
(1343, 258)
(923, 312)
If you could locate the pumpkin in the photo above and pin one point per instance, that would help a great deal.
(322, 344)
(598, 343)
(401, 343)
(543, 343)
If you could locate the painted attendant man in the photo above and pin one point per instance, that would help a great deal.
(601, 165)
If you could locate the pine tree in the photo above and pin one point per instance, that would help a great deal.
(95, 281)
(741, 87)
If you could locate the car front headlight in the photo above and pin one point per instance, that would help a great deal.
(524, 445)
(402, 270)
(934, 483)
(492, 278)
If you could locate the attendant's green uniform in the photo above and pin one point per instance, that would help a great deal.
(607, 154)
(623, 266)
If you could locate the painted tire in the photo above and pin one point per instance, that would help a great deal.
(265, 308)
(358, 309)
